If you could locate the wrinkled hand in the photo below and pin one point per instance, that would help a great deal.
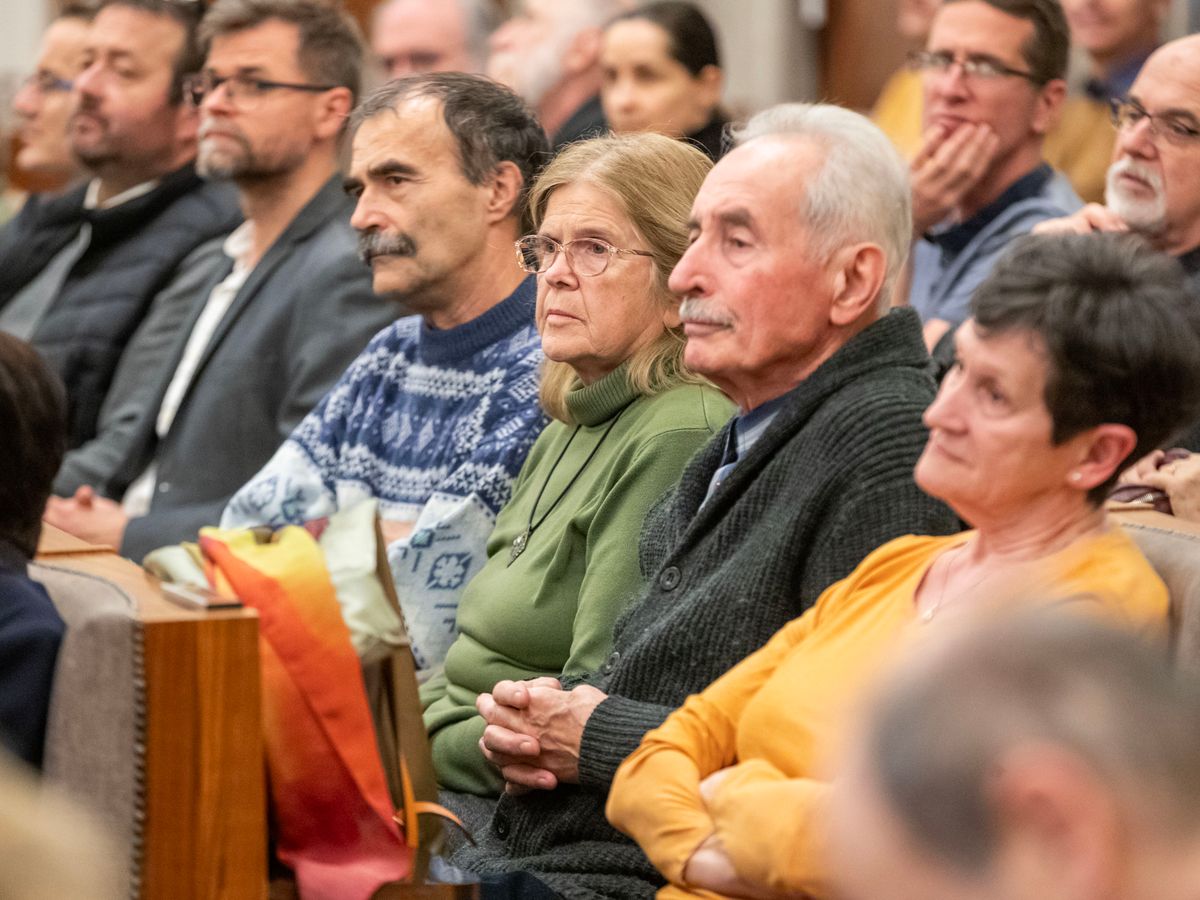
(946, 168)
(710, 868)
(1136, 474)
(393, 531)
(1091, 218)
(534, 731)
(1181, 481)
(710, 785)
(88, 516)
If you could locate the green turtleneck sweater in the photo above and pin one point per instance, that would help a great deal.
(552, 610)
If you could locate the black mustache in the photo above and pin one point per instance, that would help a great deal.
(375, 243)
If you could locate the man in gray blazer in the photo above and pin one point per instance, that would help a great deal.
(229, 362)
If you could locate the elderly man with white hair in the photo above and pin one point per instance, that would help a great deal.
(549, 53)
(796, 238)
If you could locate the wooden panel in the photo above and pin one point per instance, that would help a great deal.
(205, 833)
(860, 49)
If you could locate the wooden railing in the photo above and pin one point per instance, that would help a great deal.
(205, 830)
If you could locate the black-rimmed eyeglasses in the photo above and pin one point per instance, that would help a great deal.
(242, 90)
(585, 256)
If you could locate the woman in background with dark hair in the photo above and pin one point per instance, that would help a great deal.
(33, 438)
(662, 73)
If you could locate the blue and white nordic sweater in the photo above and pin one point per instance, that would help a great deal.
(435, 426)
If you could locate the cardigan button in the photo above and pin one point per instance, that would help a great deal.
(611, 663)
(500, 826)
(668, 580)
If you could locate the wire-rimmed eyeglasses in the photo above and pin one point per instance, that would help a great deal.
(585, 256)
(1175, 128)
(984, 68)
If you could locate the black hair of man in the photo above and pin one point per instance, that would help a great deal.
(33, 439)
(185, 13)
(330, 45)
(1048, 51)
(489, 123)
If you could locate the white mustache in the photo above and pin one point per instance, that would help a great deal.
(1132, 167)
(692, 309)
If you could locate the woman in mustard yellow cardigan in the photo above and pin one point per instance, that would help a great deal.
(1081, 356)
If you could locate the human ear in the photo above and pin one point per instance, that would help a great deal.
(504, 191)
(331, 112)
(1049, 106)
(583, 51)
(858, 274)
(709, 83)
(187, 124)
(1060, 826)
(1103, 449)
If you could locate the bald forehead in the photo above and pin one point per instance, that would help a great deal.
(442, 15)
(758, 184)
(772, 164)
(1170, 79)
(1179, 59)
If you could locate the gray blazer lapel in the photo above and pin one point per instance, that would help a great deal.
(326, 203)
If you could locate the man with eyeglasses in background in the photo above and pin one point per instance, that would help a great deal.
(1154, 181)
(1117, 37)
(43, 102)
(993, 78)
(1154, 190)
(222, 370)
(78, 270)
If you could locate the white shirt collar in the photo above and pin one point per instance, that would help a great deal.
(92, 197)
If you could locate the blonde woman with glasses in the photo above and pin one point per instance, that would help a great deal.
(610, 217)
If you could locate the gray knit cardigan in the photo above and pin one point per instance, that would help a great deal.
(827, 482)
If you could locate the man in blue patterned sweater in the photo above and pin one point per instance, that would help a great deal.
(434, 418)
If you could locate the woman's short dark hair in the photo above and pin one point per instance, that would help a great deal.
(1047, 52)
(690, 36)
(33, 439)
(489, 123)
(1121, 330)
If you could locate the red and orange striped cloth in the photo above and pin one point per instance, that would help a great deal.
(329, 795)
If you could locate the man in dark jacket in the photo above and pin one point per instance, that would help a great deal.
(202, 401)
(797, 237)
(78, 270)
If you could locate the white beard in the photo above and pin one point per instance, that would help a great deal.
(1148, 216)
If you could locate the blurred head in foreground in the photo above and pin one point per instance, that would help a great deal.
(1038, 755)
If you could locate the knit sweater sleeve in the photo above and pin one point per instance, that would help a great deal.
(298, 482)
(448, 543)
(698, 739)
